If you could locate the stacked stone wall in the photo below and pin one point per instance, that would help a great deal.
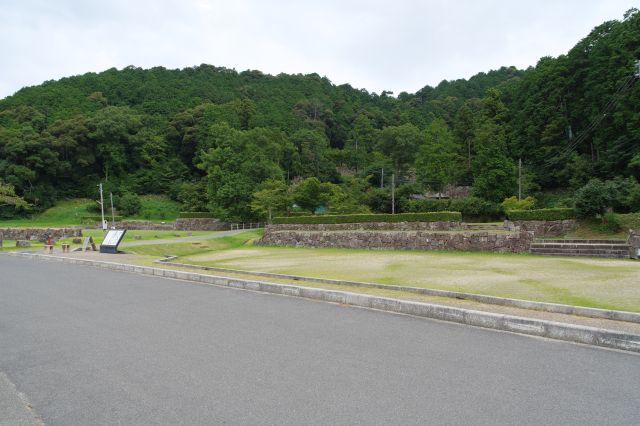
(515, 242)
(39, 234)
(542, 228)
(200, 224)
(186, 224)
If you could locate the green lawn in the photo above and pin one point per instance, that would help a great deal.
(601, 283)
(197, 247)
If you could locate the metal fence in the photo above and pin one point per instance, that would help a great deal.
(246, 225)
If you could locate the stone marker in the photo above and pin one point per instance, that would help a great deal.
(77, 241)
(23, 243)
(137, 237)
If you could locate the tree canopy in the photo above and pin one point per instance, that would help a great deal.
(213, 137)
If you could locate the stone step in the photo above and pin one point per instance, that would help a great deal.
(580, 246)
(576, 241)
(611, 253)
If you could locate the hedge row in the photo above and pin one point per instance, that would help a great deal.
(357, 218)
(196, 215)
(541, 214)
(98, 218)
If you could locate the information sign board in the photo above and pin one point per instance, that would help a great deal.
(112, 240)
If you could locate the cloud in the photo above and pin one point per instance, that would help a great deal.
(376, 45)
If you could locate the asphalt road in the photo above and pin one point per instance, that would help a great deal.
(88, 346)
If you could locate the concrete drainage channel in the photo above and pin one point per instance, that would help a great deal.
(521, 325)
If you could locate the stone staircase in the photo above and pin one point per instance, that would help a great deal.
(588, 248)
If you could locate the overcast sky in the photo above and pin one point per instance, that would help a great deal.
(396, 45)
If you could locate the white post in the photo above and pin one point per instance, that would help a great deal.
(113, 214)
(104, 224)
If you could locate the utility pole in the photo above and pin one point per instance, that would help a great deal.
(638, 69)
(382, 179)
(113, 214)
(519, 179)
(101, 202)
(393, 193)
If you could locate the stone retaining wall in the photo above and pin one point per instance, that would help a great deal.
(517, 242)
(38, 234)
(200, 224)
(143, 225)
(542, 228)
(187, 224)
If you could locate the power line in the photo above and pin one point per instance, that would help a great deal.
(613, 102)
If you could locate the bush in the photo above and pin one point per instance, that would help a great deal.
(475, 207)
(196, 215)
(359, 218)
(610, 223)
(630, 220)
(425, 205)
(541, 214)
(593, 199)
(512, 203)
(129, 204)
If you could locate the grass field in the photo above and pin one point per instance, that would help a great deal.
(601, 283)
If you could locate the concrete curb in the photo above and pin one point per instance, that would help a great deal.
(535, 327)
(492, 300)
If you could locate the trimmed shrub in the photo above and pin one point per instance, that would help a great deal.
(512, 203)
(541, 214)
(358, 218)
(196, 215)
(475, 208)
(424, 205)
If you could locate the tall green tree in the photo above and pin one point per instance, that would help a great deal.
(437, 162)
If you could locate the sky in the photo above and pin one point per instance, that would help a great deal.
(396, 45)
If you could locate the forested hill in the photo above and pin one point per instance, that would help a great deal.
(213, 137)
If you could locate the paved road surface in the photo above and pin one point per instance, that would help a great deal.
(87, 346)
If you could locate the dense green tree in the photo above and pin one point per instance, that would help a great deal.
(8, 197)
(437, 162)
(400, 144)
(272, 197)
(311, 194)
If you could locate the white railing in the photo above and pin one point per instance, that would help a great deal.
(246, 225)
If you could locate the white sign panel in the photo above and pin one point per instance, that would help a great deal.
(112, 238)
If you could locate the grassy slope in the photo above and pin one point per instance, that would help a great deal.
(70, 212)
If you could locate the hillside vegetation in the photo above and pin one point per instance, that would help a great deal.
(246, 145)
